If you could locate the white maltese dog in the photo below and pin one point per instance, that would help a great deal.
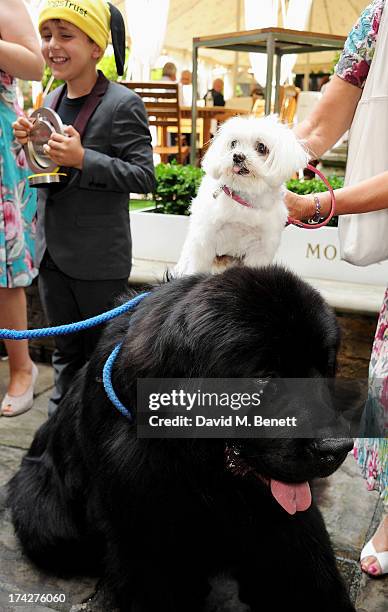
(239, 214)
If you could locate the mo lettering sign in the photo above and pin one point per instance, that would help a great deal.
(316, 250)
(316, 254)
(310, 253)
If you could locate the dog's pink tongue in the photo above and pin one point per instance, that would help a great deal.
(291, 497)
(236, 169)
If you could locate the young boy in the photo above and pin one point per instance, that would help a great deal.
(83, 236)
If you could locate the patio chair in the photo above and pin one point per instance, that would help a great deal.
(161, 99)
(288, 104)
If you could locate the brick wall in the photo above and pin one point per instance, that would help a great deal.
(357, 333)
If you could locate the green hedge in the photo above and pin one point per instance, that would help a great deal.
(313, 185)
(176, 186)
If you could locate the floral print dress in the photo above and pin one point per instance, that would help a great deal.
(17, 199)
(371, 453)
(356, 58)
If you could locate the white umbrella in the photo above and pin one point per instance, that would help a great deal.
(192, 18)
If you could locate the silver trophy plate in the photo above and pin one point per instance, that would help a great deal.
(46, 122)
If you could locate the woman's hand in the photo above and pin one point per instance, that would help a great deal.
(300, 207)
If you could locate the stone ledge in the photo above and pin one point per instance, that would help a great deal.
(344, 297)
(350, 297)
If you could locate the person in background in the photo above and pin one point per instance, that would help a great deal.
(328, 121)
(324, 83)
(216, 92)
(20, 57)
(83, 234)
(187, 88)
(169, 72)
(186, 77)
(257, 93)
(258, 99)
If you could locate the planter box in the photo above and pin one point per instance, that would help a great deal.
(310, 253)
(158, 237)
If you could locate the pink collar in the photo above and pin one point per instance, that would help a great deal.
(235, 197)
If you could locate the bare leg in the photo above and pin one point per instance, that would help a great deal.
(13, 315)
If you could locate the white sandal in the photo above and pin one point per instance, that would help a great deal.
(20, 403)
(382, 557)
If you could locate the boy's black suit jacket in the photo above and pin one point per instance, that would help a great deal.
(85, 225)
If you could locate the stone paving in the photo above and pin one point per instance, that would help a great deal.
(351, 514)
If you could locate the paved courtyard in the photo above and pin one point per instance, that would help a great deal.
(351, 515)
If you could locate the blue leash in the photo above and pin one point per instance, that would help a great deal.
(70, 328)
(107, 381)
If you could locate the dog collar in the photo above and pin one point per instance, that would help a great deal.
(235, 197)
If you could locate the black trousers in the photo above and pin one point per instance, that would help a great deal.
(67, 300)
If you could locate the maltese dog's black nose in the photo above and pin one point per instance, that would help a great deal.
(238, 158)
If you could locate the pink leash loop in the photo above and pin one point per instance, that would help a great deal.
(332, 208)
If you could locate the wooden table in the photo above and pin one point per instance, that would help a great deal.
(271, 41)
(207, 113)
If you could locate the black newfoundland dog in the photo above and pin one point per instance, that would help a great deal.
(162, 518)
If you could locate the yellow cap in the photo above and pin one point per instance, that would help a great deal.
(90, 16)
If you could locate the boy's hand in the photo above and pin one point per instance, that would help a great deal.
(21, 129)
(66, 150)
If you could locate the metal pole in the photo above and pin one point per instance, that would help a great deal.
(277, 84)
(306, 78)
(284, 17)
(268, 86)
(193, 144)
(237, 57)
